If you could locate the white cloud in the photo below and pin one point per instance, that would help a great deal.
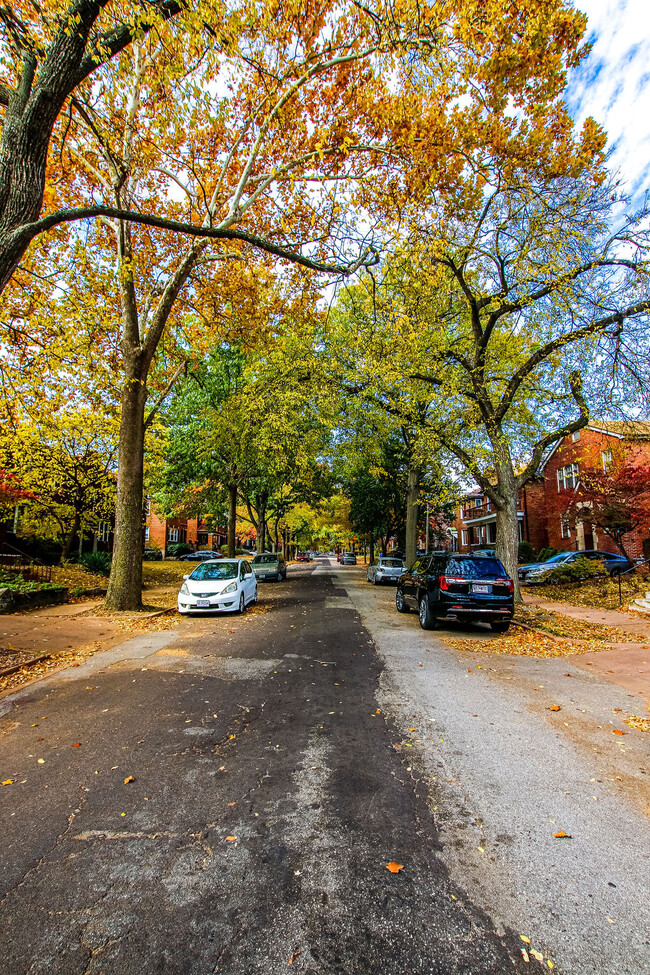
(613, 84)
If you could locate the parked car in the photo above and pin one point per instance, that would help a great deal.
(534, 571)
(223, 586)
(270, 565)
(152, 555)
(385, 569)
(348, 558)
(303, 557)
(457, 587)
(202, 555)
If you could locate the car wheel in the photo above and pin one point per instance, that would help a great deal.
(426, 617)
(374, 581)
(242, 603)
(255, 595)
(500, 627)
(279, 577)
(400, 602)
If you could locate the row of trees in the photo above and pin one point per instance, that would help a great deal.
(207, 140)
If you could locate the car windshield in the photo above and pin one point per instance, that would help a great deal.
(560, 557)
(393, 563)
(214, 570)
(264, 559)
(482, 568)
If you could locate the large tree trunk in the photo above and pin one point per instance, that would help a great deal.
(67, 547)
(507, 543)
(372, 547)
(260, 507)
(125, 584)
(412, 494)
(232, 519)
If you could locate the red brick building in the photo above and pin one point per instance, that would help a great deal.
(598, 444)
(160, 532)
(476, 519)
(541, 521)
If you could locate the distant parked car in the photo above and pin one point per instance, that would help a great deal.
(385, 569)
(270, 565)
(348, 558)
(467, 588)
(152, 555)
(203, 555)
(303, 557)
(534, 572)
(226, 586)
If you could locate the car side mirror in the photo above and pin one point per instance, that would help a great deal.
(186, 577)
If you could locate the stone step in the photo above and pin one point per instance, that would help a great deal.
(641, 605)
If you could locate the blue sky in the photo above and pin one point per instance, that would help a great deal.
(613, 84)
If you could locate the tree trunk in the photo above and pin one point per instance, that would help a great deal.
(125, 583)
(260, 541)
(67, 547)
(372, 547)
(232, 519)
(507, 543)
(412, 492)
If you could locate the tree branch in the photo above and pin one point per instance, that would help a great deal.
(165, 393)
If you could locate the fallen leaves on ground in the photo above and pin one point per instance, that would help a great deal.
(559, 624)
(562, 835)
(617, 732)
(394, 866)
(293, 957)
(525, 643)
(10, 657)
(598, 593)
(128, 779)
(641, 724)
(555, 707)
(64, 658)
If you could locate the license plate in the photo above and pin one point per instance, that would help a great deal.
(477, 588)
(202, 603)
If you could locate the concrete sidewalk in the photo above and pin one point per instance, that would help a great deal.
(626, 664)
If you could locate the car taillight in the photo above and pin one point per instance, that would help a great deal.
(446, 580)
(507, 582)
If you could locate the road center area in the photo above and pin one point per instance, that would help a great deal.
(226, 797)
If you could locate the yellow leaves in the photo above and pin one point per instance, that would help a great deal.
(394, 866)
(128, 779)
(639, 723)
(231, 839)
(293, 956)
(8, 782)
(554, 707)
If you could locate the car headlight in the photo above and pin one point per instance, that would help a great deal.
(231, 587)
(184, 590)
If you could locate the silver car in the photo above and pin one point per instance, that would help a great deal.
(385, 569)
(270, 565)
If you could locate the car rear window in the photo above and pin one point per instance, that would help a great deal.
(393, 563)
(482, 568)
(264, 559)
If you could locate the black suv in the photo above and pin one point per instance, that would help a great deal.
(457, 587)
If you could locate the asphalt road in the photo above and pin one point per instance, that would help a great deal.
(279, 761)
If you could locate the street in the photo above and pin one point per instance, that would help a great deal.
(225, 797)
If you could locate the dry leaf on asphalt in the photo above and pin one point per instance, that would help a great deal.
(562, 835)
(77, 744)
(230, 839)
(555, 707)
(637, 722)
(128, 779)
(617, 732)
(293, 957)
(394, 867)
(8, 782)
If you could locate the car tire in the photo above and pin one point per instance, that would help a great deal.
(500, 627)
(375, 581)
(400, 603)
(426, 617)
(278, 578)
(242, 604)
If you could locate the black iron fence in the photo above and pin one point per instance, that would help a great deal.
(20, 565)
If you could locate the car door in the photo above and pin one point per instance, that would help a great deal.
(249, 582)
(420, 581)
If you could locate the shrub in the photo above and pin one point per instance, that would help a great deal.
(547, 553)
(526, 552)
(238, 551)
(178, 548)
(97, 562)
(574, 571)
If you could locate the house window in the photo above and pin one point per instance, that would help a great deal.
(464, 536)
(567, 477)
(479, 502)
(565, 527)
(146, 534)
(182, 535)
(607, 459)
(575, 436)
(172, 534)
(104, 531)
(147, 507)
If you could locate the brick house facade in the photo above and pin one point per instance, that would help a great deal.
(476, 519)
(541, 522)
(160, 532)
(594, 446)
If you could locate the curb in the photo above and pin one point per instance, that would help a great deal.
(6, 671)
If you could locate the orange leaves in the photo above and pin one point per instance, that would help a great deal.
(394, 866)
(554, 707)
(293, 957)
(128, 779)
(617, 732)
(562, 835)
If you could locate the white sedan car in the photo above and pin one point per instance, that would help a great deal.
(224, 586)
(385, 569)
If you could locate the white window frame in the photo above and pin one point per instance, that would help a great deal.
(146, 534)
(607, 459)
(478, 503)
(565, 526)
(568, 476)
(104, 531)
(172, 534)
(147, 507)
(464, 536)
